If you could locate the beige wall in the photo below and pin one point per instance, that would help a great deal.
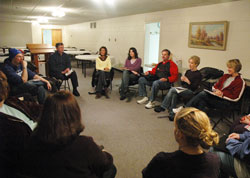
(119, 34)
(15, 34)
(19, 34)
(37, 32)
(129, 31)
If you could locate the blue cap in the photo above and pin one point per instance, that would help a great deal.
(13, 52)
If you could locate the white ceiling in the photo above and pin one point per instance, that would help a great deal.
(78, 11)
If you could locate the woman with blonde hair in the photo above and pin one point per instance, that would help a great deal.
(228, 89)
(193, 133)
(189, 84)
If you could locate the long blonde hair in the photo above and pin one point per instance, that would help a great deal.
(196, 127)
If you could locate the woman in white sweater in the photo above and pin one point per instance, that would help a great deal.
(103, 67)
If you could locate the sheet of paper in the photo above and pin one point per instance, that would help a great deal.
(69, 72)
(180, 89)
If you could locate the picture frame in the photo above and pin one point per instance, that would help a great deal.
(208, 35)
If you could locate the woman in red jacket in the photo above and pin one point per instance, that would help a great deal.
(228, 89)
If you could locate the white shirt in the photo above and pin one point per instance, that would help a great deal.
(8, 110)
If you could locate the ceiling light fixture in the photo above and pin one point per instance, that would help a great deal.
(110, 2)
(42, 20)
(35, 23)
(58, 13)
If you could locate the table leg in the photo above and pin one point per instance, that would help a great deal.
(84, 68)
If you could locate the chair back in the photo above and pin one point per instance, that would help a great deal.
(95, 77)
(209, 77)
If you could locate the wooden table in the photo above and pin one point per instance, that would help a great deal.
(36, 49)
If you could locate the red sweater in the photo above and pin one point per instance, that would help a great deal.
(173, 71)
(234, 91)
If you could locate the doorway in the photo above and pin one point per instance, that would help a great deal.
(51, 36)
(152, 43)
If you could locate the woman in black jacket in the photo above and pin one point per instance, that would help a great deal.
(17, 120)
(57, 149)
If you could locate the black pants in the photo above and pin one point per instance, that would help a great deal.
(72, 76)
(127, 77)
(204, 99)
(103, 82)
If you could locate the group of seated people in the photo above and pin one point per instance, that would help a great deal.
(228, 89)
(24, 81)
(43, 139)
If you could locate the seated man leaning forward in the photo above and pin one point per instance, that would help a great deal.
(161, 77)
(60, 67)
(21, 79)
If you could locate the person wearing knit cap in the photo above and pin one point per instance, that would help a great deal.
(21, 79)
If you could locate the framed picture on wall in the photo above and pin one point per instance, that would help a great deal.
(208, 35)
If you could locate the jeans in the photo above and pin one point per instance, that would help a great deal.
(170, 99)
(227, 163)
(72, 76)
(156, 86)
(204, 99)
(127, 76)
(102, 82)
(35, 88)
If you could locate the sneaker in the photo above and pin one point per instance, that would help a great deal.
(159, 109)
(171, 118)
(75, 92)
(123, 97)
(143, 100)
(177, 109)
(150, 105)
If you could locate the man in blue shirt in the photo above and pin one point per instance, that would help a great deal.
(21, 79)
(60, 67)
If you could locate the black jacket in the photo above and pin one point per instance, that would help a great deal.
(14, 134)
(58, 63)
(81, 157)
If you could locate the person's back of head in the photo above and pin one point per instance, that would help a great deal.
(4, 87)
(195, 126)
(60, 119)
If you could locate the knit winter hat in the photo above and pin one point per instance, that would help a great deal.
(13, 52)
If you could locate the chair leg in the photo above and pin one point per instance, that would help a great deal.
(68, 85)
(217, 122)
